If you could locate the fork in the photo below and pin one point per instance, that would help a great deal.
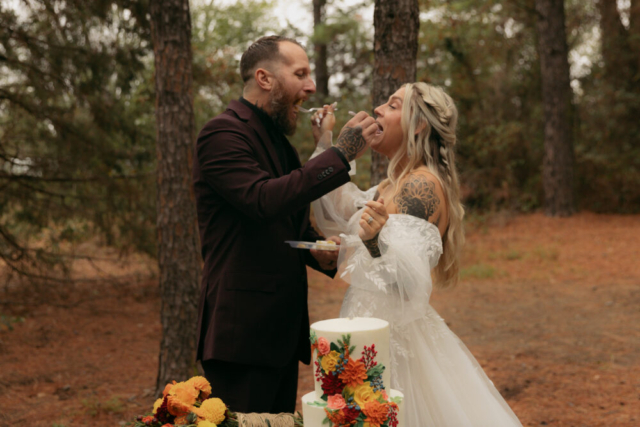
(311, 110)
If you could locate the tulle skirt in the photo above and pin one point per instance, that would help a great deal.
(443, 384)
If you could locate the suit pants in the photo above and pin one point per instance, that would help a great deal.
(248, 388)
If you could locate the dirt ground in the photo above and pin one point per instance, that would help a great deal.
(549, 307)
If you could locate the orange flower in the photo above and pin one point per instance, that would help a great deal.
(354, 373)
(177, 407)
(185, 392)
(167, 388)
(148, 418)
(336, 417)
(376, 412)
(202, 385)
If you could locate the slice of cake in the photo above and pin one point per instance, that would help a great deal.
(350, 366)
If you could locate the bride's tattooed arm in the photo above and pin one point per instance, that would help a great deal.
(417, 197)
(372, 246)
(351, 142)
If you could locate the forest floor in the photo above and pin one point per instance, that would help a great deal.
(549, 307)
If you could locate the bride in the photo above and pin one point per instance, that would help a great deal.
(392, 238)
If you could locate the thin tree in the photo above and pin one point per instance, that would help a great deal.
(557, 168)
(178, 257)
(320, 50)
(620, 61)
(395, 47)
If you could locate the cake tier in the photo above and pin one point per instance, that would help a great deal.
(363, 332)
(313, 409)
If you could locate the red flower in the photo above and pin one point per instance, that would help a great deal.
(163, 415)
(350, 414)
(331, 384)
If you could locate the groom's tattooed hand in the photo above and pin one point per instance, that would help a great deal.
(372, 247)
(418, 197)
(351, 142)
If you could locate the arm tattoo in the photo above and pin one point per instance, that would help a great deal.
(372, 247)
(418, 198)
(351, 142)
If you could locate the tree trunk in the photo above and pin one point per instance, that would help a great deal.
(397, 24)
(320, 48)
(619, 60)
(178, 246)
(634, 37)
(557, 168)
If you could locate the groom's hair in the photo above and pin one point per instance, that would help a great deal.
(264, 49)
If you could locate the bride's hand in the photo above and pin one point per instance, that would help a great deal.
(327, 121)
(373, 218)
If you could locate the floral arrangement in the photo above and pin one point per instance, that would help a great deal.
(352, 388)
(188, 404)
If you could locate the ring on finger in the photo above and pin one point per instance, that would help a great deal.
(370, 220)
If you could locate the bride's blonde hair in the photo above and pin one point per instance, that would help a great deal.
(429, 119)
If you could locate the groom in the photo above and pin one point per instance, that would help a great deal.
(252, 195)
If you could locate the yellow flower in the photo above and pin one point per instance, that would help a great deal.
(213, 410)
(202, 385)
(205, 423)
(156, 405)
(330, 360)
(363, 394)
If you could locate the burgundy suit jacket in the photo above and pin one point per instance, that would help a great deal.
(253, 300)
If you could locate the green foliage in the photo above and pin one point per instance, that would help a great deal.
(484, 53)
(77, 120)
(76, 128)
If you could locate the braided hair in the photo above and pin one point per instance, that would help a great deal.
(429, 119)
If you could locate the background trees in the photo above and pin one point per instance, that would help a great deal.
(177, 233)
(77, 118)
(395, 47)
(557, 166)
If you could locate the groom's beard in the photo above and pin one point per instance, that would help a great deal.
(282, 108)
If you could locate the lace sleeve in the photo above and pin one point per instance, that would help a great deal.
(410, 248)
(333, 210)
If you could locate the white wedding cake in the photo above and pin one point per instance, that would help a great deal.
(350, 360)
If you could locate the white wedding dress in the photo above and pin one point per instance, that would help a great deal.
(443, 384)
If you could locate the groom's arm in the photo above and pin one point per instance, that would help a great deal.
(228, 163)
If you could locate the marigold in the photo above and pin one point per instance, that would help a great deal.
(185, 392)
(177, 407)
(213, 410)
(205, 423)
(168, 388)
(354, 373)
(202, 385)
(330, 361)
(376, 412)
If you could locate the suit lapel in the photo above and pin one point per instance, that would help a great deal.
(246, 114)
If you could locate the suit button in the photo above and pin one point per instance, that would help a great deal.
(320, 177)
(330, 169)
